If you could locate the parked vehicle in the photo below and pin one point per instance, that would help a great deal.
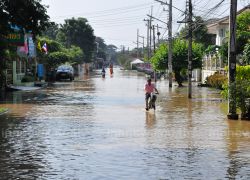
(65, 72)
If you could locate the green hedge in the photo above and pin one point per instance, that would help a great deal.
(216, 80)
(28, 79)
(242, 87)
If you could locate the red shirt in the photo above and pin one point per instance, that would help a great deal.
(149, 88)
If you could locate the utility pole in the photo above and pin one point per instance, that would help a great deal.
(143, 47)
(153, 37)
(190, 49)
(147, 37)
(137, 43)
(154, 50)
(150, 33)
(232, 62)
(186, 14)
(158, 35)
(170, 46)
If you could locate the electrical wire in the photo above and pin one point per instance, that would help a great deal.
(207, 14)
(109, 12)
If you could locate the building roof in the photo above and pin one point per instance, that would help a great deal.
(225, 20)
(136, 61)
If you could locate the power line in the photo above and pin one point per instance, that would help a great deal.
(109, 12)
(159, 12)
(212, 13)
(104, 22)
(198, 2)
(207, 14)
(117, 25)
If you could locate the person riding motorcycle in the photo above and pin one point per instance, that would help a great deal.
(103, 72)
(149, 88)
(111, 68)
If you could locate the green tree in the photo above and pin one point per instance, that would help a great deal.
(243, 23)
(102, 48)
(78, 32)
(55, 59)
(159, 60)
(29, 15)
(246, 54)
(111, 52)
(242, 35)
(52, 31)
(200, 34)
(242, 32)
(124, 60)
(58, 54)
(75, 54)
(180, 58)
(52, 45)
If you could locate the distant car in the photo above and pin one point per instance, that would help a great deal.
(65, 72)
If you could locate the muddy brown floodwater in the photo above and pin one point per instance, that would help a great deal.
(97, 128)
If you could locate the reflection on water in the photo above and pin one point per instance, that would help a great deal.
(150, 119)
(97, 128)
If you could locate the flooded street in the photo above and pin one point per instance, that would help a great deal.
(98, 128)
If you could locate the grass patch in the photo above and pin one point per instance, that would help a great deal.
(3, 110)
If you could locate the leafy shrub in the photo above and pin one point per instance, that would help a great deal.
(216, 81)
(28, 79)
(242, 87)
(246, 54)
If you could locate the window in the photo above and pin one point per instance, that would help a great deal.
(222, 33)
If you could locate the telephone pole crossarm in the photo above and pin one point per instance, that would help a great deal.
(157, 19)
(165, 3)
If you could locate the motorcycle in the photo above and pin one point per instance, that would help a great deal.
(103, 74)
(111, 71)
(152, 100)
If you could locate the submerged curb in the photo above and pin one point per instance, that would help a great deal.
(4, 111)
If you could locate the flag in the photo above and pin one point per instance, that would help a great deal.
(39, 46)
(44, 48)
(24, 49)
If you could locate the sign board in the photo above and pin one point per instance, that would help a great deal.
(15, 39)
(32, 48)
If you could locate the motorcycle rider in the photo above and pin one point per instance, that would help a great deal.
(111, 68)
(149, 88)
(103, 72)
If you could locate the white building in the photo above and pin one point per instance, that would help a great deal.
(212, 62)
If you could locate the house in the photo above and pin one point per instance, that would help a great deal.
(23, 63)
(212, 62)
(135, 63)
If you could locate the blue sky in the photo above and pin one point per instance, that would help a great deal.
(117, 21)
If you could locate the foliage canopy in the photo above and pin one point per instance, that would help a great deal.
(180, 57)
(79, 33)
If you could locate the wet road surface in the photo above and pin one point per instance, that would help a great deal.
(97, 128)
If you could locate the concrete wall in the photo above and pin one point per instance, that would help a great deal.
(196, 75)
(205, 74)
